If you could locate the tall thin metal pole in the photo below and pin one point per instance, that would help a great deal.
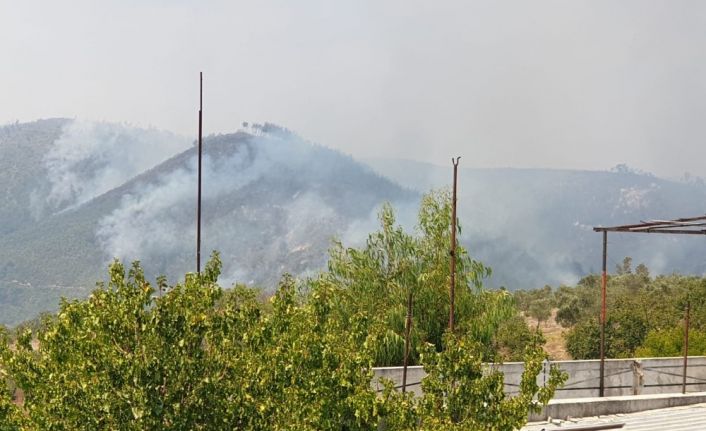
(452, 251)
(686, 346)
(408, 328)
(604, 282)
(198, 205)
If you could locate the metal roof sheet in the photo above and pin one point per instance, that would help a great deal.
(686, 418)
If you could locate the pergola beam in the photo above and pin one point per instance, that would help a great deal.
(652, 230)
(680, 226)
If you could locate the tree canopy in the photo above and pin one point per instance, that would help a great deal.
(196, 356)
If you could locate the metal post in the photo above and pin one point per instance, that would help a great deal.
(604, 281)
(408, 327)
(452, 251)
(686, 345)
(198, 204)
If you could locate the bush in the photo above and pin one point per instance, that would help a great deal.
(514, 337)
(623, 335)
(670, 342)
(583, 340)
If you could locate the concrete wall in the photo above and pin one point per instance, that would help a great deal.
(622, 376)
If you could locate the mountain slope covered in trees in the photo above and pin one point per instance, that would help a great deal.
(78, 194)
(272, 203)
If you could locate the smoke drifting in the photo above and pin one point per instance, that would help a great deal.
(91, 158)
(272, 203)
(535, 227)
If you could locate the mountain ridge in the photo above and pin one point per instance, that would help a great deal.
(273, 202)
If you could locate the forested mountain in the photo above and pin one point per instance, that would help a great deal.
(77, 194)
(272, 203)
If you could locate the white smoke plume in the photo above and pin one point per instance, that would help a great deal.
(91, 158)
(257, 228)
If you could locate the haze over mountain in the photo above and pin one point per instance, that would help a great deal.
(76, 194)
(535, 226)
(272, 203)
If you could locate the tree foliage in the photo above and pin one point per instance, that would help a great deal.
(514, 337)
(375, 280)
(644, 313)
(191, 356)
(670, 342)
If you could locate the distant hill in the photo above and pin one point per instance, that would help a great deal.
(534, 226)
(76, 194)
(272, 204)
(22, 149)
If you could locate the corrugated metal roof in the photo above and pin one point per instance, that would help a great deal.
(687, 418)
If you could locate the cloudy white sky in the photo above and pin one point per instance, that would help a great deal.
(562, 84)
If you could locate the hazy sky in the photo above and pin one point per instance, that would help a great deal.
(563, 84)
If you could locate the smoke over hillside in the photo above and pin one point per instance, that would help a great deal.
(91, 158)
(272, 202)
(268, 196)
(535, 227)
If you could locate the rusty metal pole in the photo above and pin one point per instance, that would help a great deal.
(198, 204)
(452, 251)
(604, 282)
(686, 346)
(407, 330)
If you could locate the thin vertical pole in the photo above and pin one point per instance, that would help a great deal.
(686, 346)
(407, 330)
(198, 204)
(452, 251)
(604, 282)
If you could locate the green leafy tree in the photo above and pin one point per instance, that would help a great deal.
(133, 357)
(583, 340)
(375, 280)
(569, 313)
(11, 418)
(541, 310)
(670, 342)
(623, 335)
(448, 405)
(514, 337)
(643, 272)
(10, 415)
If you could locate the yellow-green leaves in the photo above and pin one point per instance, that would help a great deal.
(195, 357)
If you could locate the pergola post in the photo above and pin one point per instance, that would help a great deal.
(686, 346)
(680, 226)
(604, 282)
